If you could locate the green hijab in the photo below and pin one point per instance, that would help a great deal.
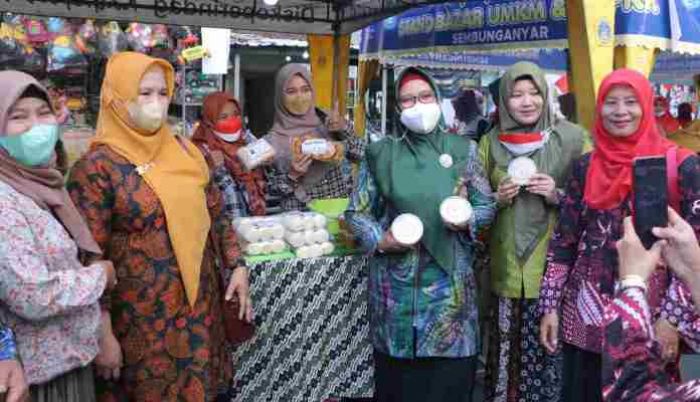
(408, 174)
(565, 144)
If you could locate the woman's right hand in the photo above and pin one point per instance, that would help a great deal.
(13, 384)
(300, 165)
(549, 332)
(111, 273)
(389, 244)
(109, 360)
(507, 190)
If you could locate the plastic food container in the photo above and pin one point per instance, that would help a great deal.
(407, 229)
(456, 211)
(521, 169)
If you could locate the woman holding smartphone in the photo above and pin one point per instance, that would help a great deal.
(583, 265)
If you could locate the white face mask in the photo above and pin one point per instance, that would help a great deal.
(229, 137)
(148, 117)
(422, 118)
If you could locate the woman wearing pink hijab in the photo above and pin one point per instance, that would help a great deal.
(48, 296)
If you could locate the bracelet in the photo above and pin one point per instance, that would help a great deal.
(633, 281)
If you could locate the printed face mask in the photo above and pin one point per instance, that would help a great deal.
(298, 104)
(422, 118)
(148, 117)
(33, 148)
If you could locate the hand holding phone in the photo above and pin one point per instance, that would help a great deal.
(650, 194)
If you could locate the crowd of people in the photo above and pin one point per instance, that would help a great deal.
(117, 276)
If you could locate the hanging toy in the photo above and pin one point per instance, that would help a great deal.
(139, 37)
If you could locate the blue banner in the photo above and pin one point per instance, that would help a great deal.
(474, 25)
(667, 25)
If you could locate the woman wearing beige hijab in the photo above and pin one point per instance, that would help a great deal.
(297, 178)
(148, 200)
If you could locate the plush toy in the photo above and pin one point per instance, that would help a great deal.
(140, 37)
(111, 39)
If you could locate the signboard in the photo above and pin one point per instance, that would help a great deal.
(551, 60)
(477, 25)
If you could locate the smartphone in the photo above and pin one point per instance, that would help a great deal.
(650, 194)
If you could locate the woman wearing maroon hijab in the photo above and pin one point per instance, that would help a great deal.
(582, 272)
(220, 135)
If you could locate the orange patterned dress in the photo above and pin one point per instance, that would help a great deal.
(171, 352)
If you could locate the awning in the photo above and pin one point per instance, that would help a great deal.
(289, 16)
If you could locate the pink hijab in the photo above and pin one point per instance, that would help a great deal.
(43, 184)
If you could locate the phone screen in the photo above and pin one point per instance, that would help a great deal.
(650, 197)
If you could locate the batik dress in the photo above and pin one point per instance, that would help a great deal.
(172, 352)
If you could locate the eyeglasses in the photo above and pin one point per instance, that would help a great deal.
(423, 97)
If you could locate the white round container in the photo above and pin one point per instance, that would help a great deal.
(294, 222)
(521, 169)
(407, 229)
(321, 236)
(266, 247)
(295, 239)
(278, 246)
(254, 249)
(303, 252)
(327, 248)
(456, 211)
(309, 223)
(277, 231)
(251, 234)
(320, 221)
(315, 251)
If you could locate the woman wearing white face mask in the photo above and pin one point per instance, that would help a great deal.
(47, 296)
(220, 135)
(423, 301)
(527, 157)
(149, 202)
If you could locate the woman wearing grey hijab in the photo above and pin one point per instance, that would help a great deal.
(298, 178)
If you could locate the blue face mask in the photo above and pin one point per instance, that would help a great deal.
(33, 148)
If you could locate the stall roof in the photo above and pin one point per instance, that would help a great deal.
(274, 39)
(289, 16)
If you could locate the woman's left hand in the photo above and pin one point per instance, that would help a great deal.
(336, 122)
(544, 185)
(240, 288)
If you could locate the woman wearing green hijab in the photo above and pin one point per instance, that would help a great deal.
(527, 197)
(423, 301)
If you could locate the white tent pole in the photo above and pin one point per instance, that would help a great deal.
(237, 75)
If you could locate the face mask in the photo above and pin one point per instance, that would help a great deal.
(298, 104)
(148, 117)
(422, 118)
(230, 125)
(33, 148)
(229, 137)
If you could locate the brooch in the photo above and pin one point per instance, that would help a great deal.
(446, 161)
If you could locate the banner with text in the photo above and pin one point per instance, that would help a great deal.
(475, 25)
